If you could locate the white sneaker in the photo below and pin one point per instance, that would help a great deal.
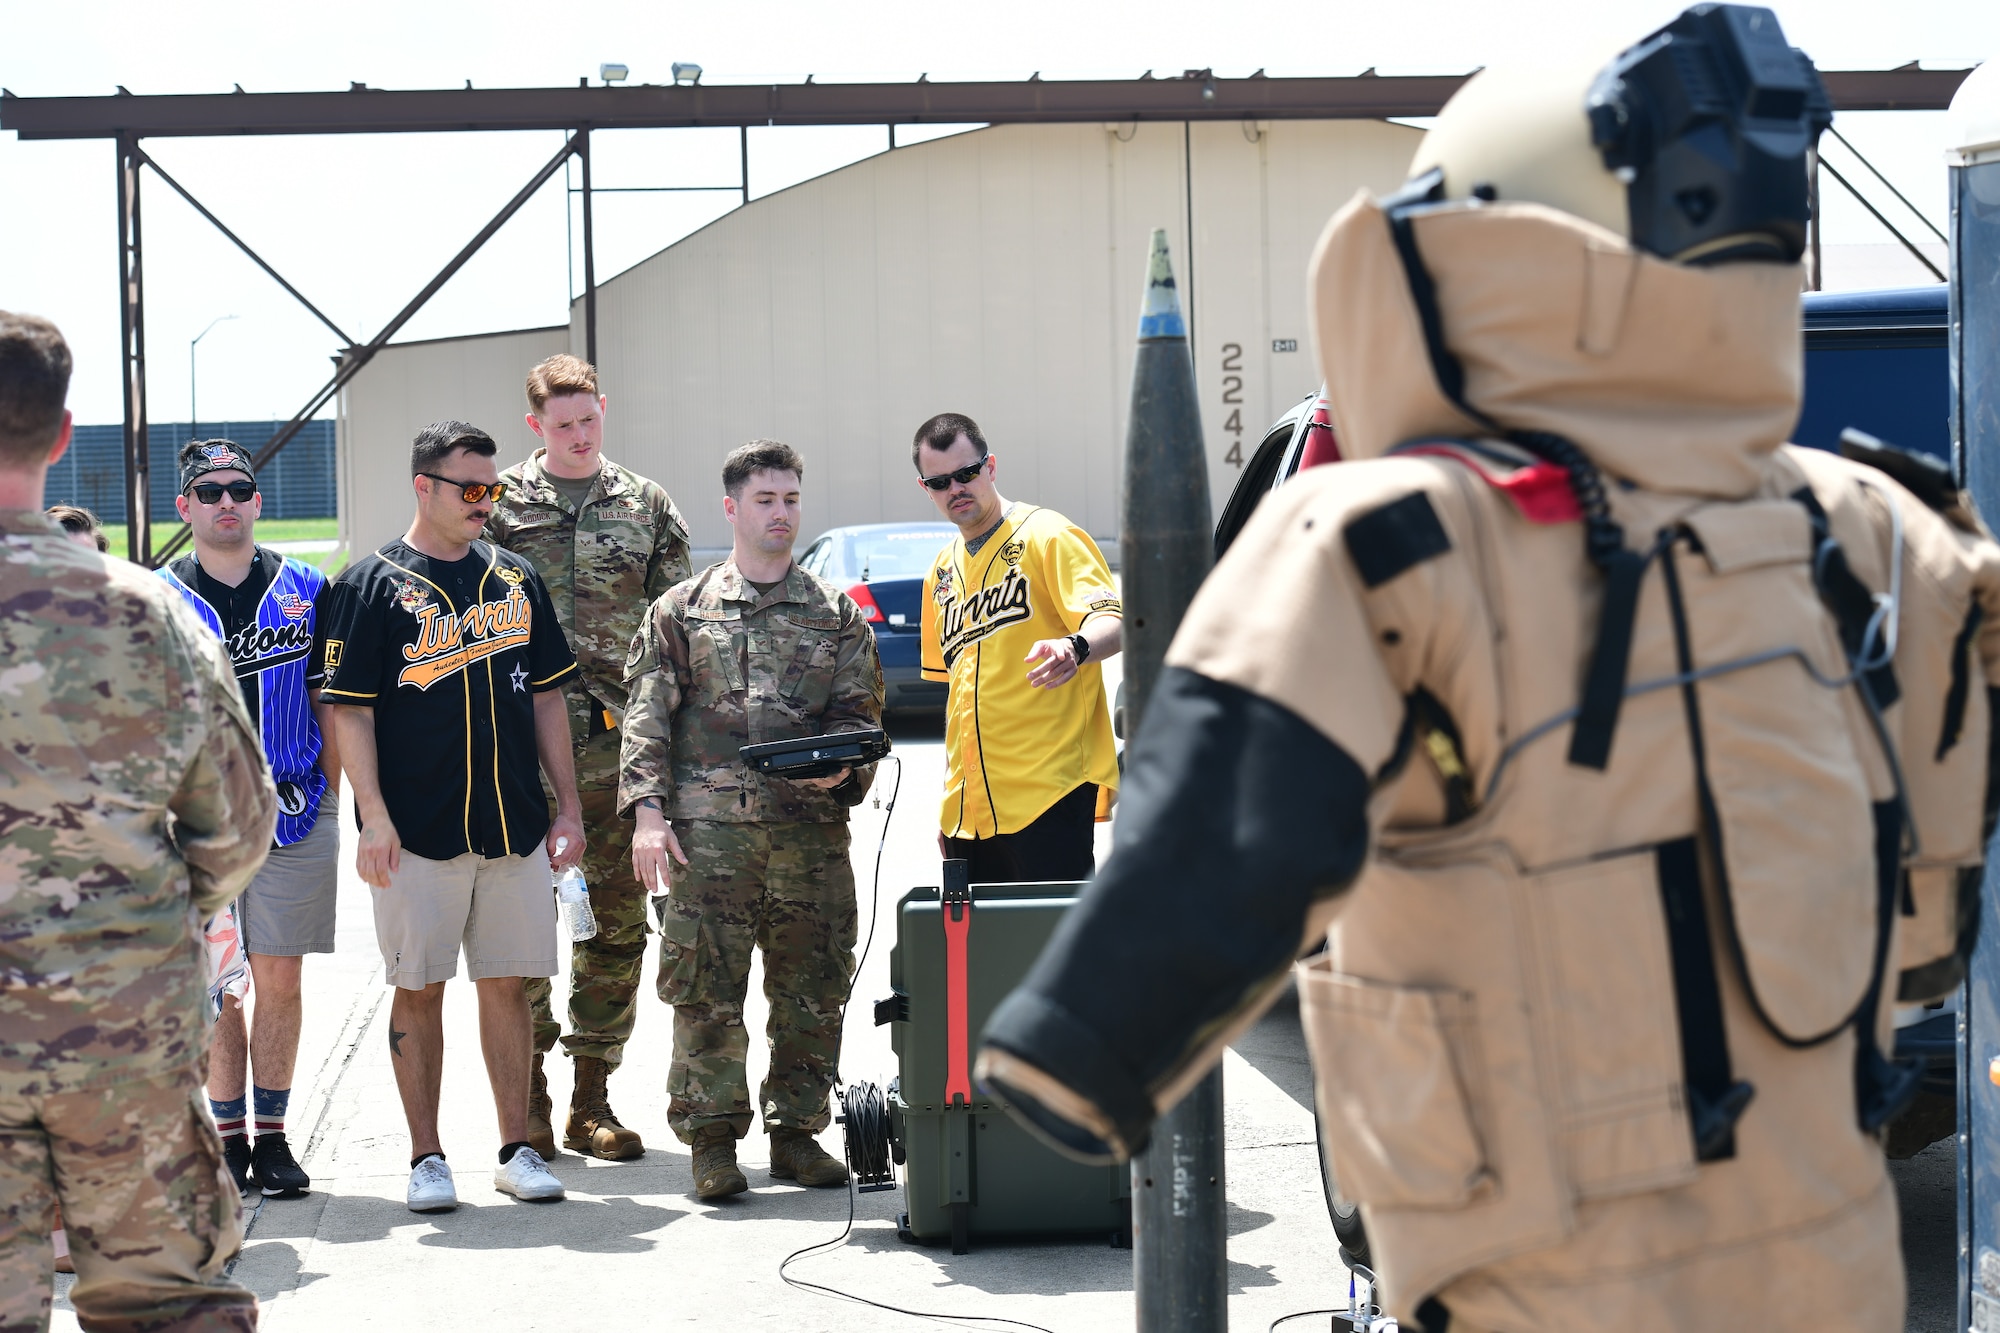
(431, 1188)
(527, 1176)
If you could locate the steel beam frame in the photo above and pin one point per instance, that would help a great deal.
(132, 353)
(1196, 95)
(352, 358)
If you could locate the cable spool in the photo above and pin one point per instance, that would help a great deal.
(864, 1122)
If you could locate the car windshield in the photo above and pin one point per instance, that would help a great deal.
(896, 555)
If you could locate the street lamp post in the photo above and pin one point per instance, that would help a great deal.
(194, 417)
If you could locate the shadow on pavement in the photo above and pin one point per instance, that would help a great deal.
(1927, 1202)
(613, 1226)
(1026, 1267)
(271, 1268)
(1241, 1219)
(1276, 1048)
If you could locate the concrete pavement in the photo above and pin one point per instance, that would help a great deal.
(633, 1248)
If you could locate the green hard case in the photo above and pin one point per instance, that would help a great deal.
(971, 1171)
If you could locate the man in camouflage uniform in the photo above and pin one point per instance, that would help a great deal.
(134, 802)
(751, 650)
(606, 542)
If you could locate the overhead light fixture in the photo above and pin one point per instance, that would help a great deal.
(686, 72)
(611, 73)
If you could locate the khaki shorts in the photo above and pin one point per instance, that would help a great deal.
(288, 908)
(502, 909)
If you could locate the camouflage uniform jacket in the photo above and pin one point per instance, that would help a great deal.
(134, 802)
(603, 563)
(717, 667)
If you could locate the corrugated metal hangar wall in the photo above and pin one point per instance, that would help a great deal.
(995, 273)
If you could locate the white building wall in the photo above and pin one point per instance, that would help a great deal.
(407, 387)
(996, 273)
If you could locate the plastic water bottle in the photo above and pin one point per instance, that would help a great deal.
(574, 896)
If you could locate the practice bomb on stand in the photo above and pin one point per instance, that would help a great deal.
(1166, 540)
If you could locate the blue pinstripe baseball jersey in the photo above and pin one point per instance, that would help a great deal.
(275, 666)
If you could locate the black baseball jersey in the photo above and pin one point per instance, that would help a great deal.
(450, 654)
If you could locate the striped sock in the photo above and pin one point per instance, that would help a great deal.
(271, 1108)
(229, 1117)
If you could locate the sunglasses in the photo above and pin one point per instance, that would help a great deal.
(965, 476)
(472, 492)
(210, 492)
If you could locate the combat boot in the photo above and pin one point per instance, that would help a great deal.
(796, 1155)
(541, 1111)
(593, 1128)
(716, 1174)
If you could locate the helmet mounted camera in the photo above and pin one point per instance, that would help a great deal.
(1708, 122)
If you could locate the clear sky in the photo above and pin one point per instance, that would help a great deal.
(361, 223)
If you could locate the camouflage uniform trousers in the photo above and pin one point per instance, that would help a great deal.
(787, 889)
(603, 970)
(150, 1208)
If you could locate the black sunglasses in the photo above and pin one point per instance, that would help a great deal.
(472, 492)
(210, 492)
(965, 476)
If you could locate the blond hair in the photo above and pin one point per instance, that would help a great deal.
(560, 375)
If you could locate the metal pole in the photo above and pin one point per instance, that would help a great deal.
(743, 138)
(194, 413)
(589, 253)
(1179, 1241)
(1815, 279)
(132, 354)
(1187, 182)
(1887, 225)
(1888, 184)
(353, 359)
(240, 244)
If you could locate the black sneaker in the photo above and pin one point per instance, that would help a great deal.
(277, 1173)
(236, 1152)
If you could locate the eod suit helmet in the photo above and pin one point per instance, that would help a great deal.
(1692, 144)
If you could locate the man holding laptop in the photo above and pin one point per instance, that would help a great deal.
(750, 650)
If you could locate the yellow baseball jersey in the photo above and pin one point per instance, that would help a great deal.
(1012, 751)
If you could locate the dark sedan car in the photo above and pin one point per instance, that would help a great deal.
(882, 567)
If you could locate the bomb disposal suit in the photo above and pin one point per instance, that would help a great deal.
(1635, 757)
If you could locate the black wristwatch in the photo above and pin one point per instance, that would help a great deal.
(1082, 646)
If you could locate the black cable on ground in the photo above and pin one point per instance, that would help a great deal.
(827, 1246)
(871, 1133)
(1300, 1314)
(865, 1112)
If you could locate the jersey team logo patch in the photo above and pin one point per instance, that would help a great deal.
(411, 595)
(510, 576)
(941, 594)
(294, 606)
(447, 644)
(1011, 552)
(985, 611)
(331, 659)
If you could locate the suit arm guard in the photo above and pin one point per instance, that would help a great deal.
(1238, 816)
